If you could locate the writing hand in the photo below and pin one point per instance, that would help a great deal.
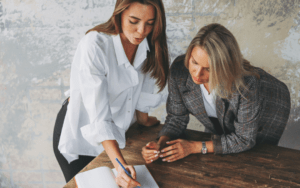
(124, 180)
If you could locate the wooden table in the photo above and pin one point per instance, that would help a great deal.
(262, 166)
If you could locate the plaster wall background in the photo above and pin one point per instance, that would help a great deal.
(38, 39)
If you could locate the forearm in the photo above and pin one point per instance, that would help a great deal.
(142, 117)
(113, 151)
(197, 146)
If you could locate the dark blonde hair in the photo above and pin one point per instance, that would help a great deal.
(157, 62)
(227, 67)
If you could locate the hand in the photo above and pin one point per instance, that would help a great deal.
(124, 180)
(150, 152)
(151, 121)
(144, 119)
(179, 149)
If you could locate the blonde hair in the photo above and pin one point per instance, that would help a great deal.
(157, 62)
(227, 65)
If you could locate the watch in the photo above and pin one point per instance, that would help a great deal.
(204, 148)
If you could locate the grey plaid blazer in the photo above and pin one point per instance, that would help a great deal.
(258, 117)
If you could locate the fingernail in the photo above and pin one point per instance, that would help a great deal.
(162, 151)
(151, 160)
(155, 151)
(161, 156)
(169, 161)
(156, 155)
(164, 160)
(167, 142)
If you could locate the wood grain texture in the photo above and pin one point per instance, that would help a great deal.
(262, 166)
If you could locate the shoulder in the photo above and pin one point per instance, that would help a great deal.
(267, 79)
(95, 39)
(178, 70)
(265, 84)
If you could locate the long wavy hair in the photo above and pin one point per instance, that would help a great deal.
(227, 67)
(157, 62)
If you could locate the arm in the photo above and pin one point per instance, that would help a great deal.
(112, 149)
(245, 123)
(101, 130)
(145, 119)
(146, 101)
(176, 122)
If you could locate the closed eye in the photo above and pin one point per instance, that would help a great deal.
(133, 22)
(150, 23)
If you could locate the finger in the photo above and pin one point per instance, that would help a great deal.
(150, 160)
(172, 152)
(150, 156)
(132, 171)
(129, 180)
(169, 148)
(172, 158)
(149, 151)
(152, 145)
(173, 141)
(121, 181)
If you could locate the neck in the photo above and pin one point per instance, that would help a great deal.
(129, 48)
(206, 85)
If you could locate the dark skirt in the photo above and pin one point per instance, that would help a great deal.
(69, 170)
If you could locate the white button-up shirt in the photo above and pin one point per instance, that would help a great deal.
(209, 102)
(105, 90)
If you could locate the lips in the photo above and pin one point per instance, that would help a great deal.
(196, 79)
(139, 39)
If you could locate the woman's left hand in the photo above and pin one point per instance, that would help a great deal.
(179, 149)
(144, 119)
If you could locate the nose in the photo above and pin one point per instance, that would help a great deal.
(198, 72)
(141, 29)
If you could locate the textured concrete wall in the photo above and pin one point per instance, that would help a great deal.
(38, 39)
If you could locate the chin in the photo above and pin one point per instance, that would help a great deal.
(134, 42)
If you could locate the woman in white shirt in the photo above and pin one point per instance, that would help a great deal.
(112, 82)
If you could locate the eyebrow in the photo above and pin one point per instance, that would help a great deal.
(196, 61)
(140, 19)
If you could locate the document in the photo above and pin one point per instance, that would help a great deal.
(105, 177)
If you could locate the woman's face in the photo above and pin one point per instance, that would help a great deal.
(137, 22)
(199, 66)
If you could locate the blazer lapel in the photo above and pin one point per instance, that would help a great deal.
(220, 108)
(193, 98)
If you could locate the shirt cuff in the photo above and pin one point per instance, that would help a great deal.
(96, 133)
(217, 144)
(147, 101)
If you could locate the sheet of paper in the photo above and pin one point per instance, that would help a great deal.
(95, 178)
(143, 176)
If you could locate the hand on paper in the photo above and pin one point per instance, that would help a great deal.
(178, 149)
(150, 152)
(144, 119)
(124, 180)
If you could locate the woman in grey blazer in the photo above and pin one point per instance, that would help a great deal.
(241, 105)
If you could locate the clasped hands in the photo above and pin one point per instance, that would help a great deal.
(174, 150)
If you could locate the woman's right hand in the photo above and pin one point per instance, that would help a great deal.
(124, 180)
(151, 152)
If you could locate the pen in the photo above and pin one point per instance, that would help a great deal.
(124, 169)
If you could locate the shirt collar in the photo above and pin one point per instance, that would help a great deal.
(140, 56)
